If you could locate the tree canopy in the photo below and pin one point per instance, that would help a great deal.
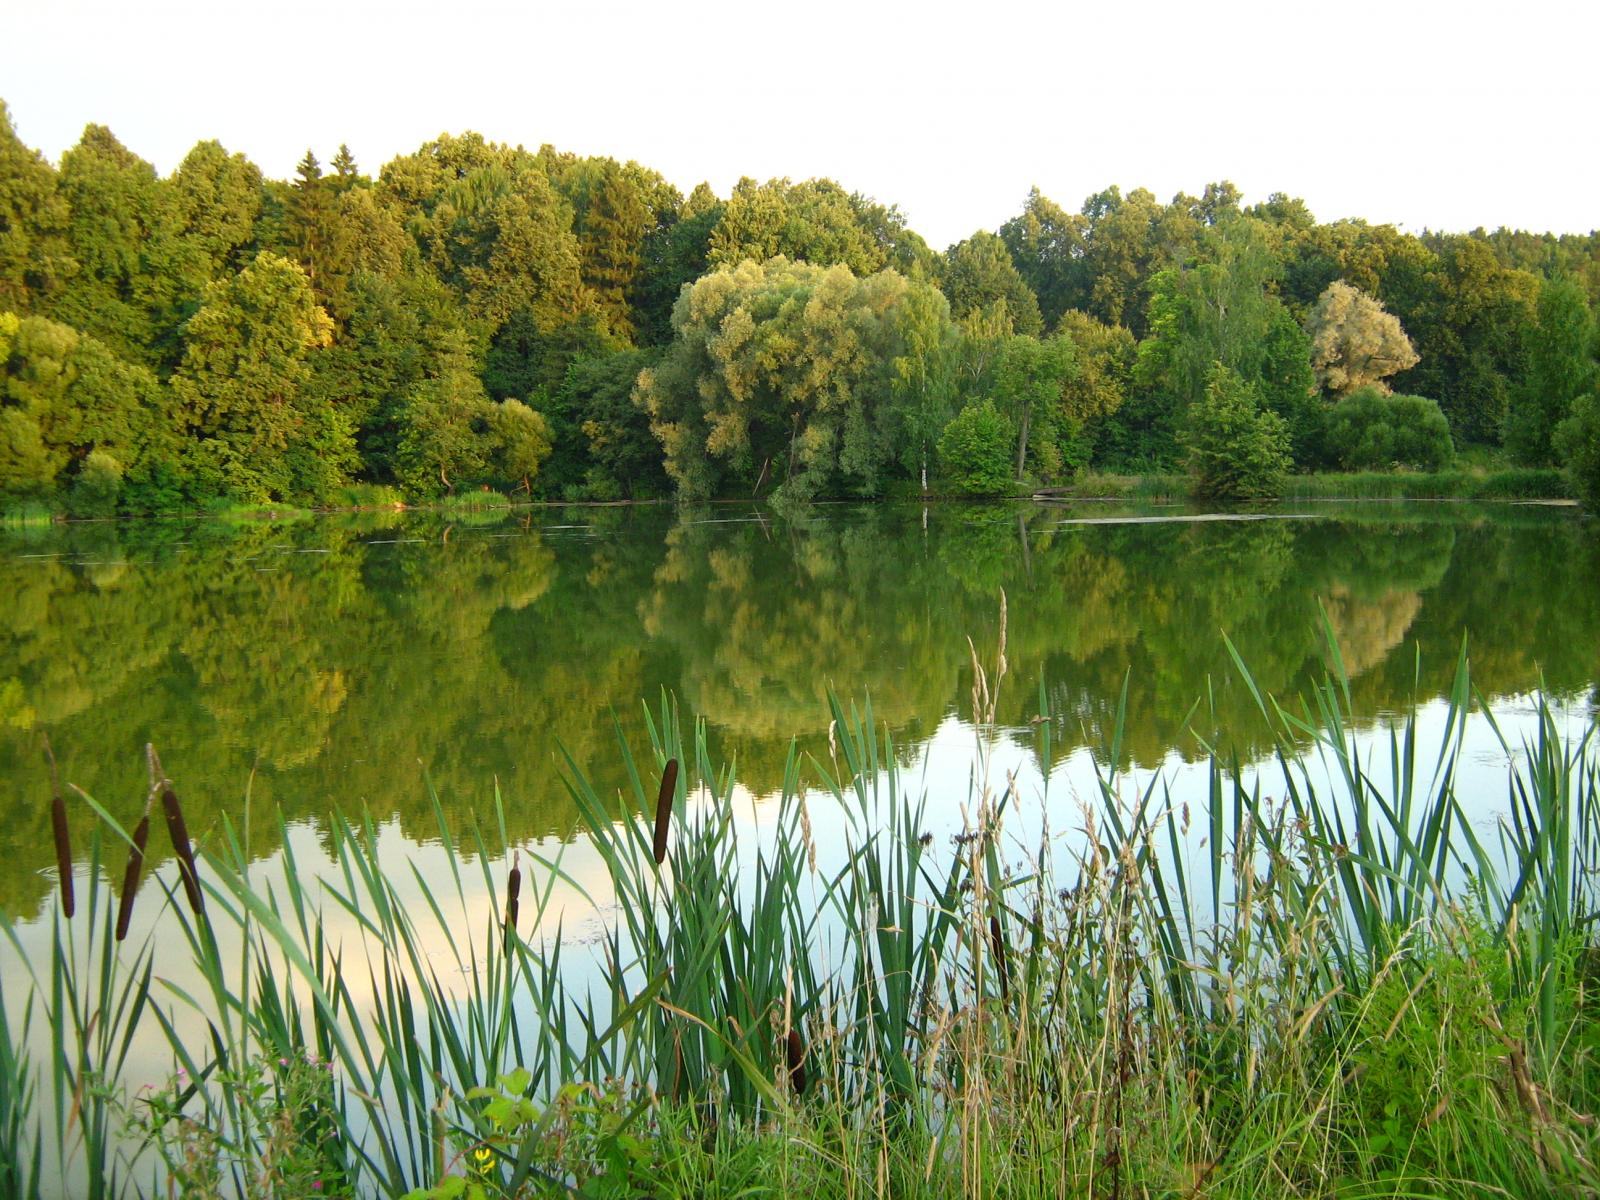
(478, 314)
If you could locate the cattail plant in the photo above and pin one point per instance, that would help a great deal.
(513, 890)
(178, 830)
(795, 1052)
(1002, 968)
(130, 877)
(669, 784)
(58, 823)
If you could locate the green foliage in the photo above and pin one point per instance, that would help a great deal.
(545, 259)
(978, 273)
(1237, 449)
(259, 433)
(1219, 309)
(619, 455)
(782, 373)
(35, 257)
(1471, 328)
(1561, 368)
(1029, 380)
(1046, 243)
(1516, 484)
(815, 222)
(1577, 441)
(975, 450)
(288, 1104)
(1368, 430)
(97, 486)
(64, 396)
(673, 255)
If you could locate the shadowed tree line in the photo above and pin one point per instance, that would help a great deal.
(479, 315)
(340, 663)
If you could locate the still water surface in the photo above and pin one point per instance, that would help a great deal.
(351, 663)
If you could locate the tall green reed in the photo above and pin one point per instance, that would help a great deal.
(1111, 992)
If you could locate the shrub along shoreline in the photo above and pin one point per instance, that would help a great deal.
(1323, 981)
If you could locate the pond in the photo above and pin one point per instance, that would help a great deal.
(367, 662)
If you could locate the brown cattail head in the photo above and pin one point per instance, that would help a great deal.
(58, 825)
(1000, 966)
(130, 877)
(179, 832)
(513, 890)
(669, 787)
(795, 1051)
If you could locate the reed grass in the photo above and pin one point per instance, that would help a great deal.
(1322, 981)
(1504, 483)
(1472, 483)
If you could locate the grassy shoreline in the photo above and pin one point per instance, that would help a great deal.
(1474, 483)
(1502, 484)
(1334, 992)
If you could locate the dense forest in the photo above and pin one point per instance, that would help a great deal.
(563, 327)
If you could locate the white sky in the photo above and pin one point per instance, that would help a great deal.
(1445, 115)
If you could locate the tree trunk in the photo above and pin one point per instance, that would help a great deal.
(1022, 440)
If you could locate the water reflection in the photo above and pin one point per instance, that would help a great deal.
(356, 661)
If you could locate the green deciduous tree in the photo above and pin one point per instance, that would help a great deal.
(450, 435)
(1561, 367)
(616, 455)
(1577, 441)
(259, 433)
(65, 396)
(1105, 357)
(121, 231)
(1470, 328)
(815, 222)
(1237, 449)
(488, 220)
(1047, 245)
(975, 449)
(1219, 309)
(1029, 378)
(673, 255)
(978, 272)
(926, 386)
(779, 373)
(35, 259)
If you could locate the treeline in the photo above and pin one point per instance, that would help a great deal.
(565, 327)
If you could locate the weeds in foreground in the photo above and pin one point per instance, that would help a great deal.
(1321, 981)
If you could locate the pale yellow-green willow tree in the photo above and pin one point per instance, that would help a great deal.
(1355, 343)
(782, 374)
